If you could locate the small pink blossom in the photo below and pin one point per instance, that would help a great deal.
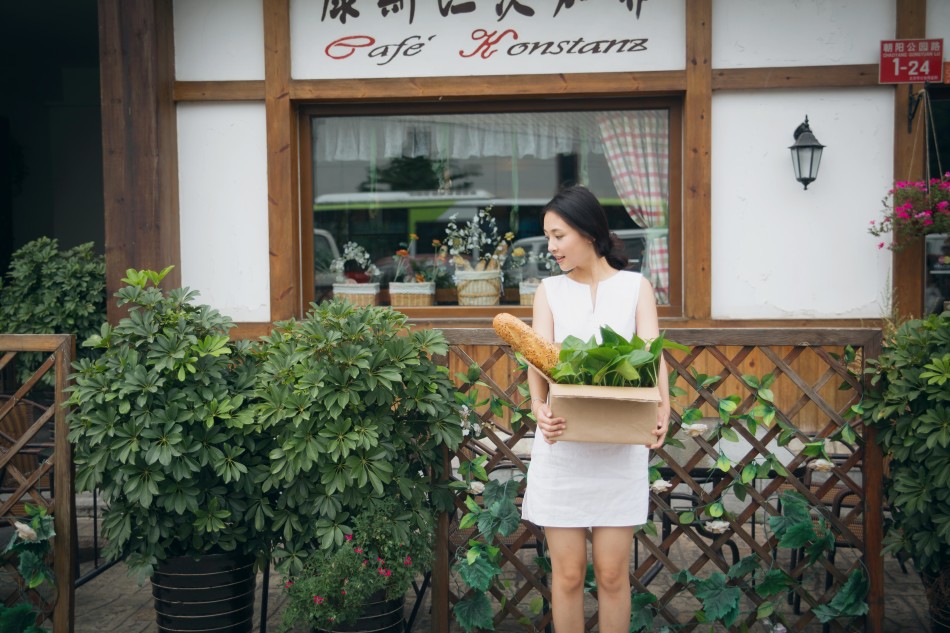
(407, 561)
(385, 572)
(348, 537)
(881, 245)
(288, 584)
(343, 591)
(358, 550)
(318, 599)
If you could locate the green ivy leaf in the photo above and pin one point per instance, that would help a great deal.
(474, 612)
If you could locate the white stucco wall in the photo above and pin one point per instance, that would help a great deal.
(938, 23)
(219, 40)
(757, 33)
(779, 251)
(222, 175)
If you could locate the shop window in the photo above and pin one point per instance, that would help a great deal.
(377, 178)
(937, 246)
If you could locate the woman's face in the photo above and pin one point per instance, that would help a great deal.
(569, 246)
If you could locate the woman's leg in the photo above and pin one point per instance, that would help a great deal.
(612, 568)
(568, 550)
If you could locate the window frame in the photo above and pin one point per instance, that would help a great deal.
(674, 104)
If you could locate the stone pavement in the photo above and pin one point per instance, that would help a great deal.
(113, 603)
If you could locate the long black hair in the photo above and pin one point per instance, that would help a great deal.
(582, 210)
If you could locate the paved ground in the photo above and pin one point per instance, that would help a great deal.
(114, 603)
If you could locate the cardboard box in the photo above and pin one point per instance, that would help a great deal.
(613, 415)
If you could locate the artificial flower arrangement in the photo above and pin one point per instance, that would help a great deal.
(478, 253)
(479, 240)
(353, 252)
(409, 287)
(357, 288)
(919, 208)
(379, 558)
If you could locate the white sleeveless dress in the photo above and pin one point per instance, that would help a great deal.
(573, 484)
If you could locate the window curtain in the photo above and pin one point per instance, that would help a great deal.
(637, 146)
(514, 134)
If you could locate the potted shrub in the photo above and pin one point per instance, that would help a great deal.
(363, 580)
(910, 405)
(356, 286)
(52, 291)
(160, 425)
(361, 414)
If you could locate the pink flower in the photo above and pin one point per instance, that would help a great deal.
(379, 560)
(358, 550)
(881, 245)
(385, 572)
(348, 537)
(288, 584)
(343, 591)
(407, 561)
(365, 562)
(318, 599)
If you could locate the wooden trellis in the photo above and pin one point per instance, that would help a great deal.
(49, 482)
(816, 383)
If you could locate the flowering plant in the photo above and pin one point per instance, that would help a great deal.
(920, 208)
(479, 239)
(353, 252)
(379, 555)
(405, 269)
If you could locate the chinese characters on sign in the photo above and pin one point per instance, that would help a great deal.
(333, 39)
(341, 10)
(911, 61)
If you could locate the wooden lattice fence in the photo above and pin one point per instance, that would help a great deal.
(817, 378)
(38, 470)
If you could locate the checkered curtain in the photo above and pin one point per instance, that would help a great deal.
(637, 146)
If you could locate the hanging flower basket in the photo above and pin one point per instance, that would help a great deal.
(919, 208)
(411, 293)
(478, 287)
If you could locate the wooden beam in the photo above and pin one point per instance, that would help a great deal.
(139, 140)
(697, 161)
(285, 300)
(219, 91)
(846, 76)
(910, 148)
(499, 86)
(64, 499)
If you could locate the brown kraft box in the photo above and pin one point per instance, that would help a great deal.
(611, 415)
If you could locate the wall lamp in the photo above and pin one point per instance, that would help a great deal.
(806, 154)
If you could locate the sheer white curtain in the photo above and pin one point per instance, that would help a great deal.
(513, 134)
(637, 146)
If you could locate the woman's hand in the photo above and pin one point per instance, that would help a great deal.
(550, 427)
(662, 424)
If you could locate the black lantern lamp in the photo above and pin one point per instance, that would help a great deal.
(806, 154)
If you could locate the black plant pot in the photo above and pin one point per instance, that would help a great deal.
(213, 593)
(937, 588)
(380, 615)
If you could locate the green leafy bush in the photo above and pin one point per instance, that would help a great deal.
(361, 413)
(30, 547)
(909, 404)
(49, 291)
(160, 424)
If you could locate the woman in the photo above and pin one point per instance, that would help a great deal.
(574, 486)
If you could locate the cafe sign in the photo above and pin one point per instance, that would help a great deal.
(343, 39)
(911, 61)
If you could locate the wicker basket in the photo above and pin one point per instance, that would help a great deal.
(358, 294)
(478, 287)
(526, 290)
(411, 294)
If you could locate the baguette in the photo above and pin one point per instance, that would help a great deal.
(539, 352)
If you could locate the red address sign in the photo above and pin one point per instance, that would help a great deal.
(911, 61)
